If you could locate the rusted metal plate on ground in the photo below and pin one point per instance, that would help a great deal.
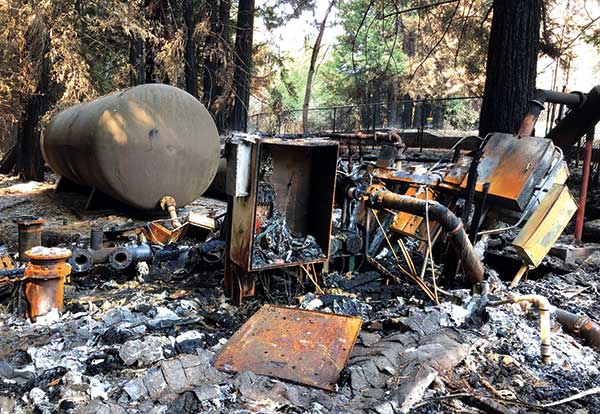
(303, 346)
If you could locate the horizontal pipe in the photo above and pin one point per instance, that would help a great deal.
(570, 99)
(535, 106)
(581, 325)
(449, 222)
(577, 122)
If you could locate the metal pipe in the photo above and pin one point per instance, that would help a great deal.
(535, 106)
(30, 235)
(578, 121)
(544, 309)
(81, 260)
(581, 325)
(452, 225)
(96, 238)
(120, 258)
(589, 142)
(168, 203)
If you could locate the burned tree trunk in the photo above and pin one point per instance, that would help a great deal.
(511, 64)
(223, 80)
(136, 60)
(243, 65)
(311, 69)
(29, 161)
(209, 89)
(191, 74)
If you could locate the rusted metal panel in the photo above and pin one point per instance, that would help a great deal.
(303, 346)
(545, 225)
(459, 171)
(159, 234)
(513, 166)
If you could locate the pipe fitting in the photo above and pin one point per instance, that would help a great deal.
(120, 258)
(44, 279)
(168, 203)
(81, 260)
(544, 308)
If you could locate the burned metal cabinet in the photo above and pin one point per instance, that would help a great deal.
(512, 165)
(298, 192)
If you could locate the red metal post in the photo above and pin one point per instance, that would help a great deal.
(589, 142)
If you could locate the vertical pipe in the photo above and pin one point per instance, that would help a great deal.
(479, 208)
(44, 279)
(589, 142)
(334, 114)
(30, 235)
(96, 238)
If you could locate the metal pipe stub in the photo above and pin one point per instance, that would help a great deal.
(30, 235)
(120, 258)
(81, 260)
(44, 279)
(581, 325)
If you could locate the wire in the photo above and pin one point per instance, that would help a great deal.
(429, 245)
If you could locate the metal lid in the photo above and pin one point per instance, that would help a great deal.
(48, 253)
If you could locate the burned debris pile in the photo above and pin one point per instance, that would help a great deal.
(333, 274)
(274, 242)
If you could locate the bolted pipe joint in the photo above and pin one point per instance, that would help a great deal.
(581, 325)
(120, 258)
(44, 279)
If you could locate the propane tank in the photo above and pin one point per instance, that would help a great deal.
(137, 145)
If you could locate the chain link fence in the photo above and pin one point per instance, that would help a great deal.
(455, 113)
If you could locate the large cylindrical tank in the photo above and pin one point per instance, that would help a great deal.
(137, 145)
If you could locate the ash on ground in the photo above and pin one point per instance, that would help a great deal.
(126, 344)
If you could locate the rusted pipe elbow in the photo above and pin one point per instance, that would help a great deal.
(544, 308)
(452, 225)
(536, 105)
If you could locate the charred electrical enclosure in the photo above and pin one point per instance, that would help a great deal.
(280, 206)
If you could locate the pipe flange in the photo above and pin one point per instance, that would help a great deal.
(120, 258)
(81, 260)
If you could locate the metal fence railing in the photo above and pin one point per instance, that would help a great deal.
(454, 113)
